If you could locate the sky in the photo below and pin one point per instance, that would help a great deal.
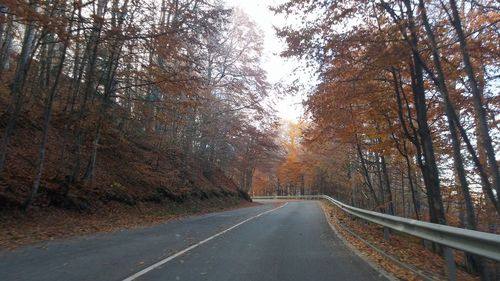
(288, 107)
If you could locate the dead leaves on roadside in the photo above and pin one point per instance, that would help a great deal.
(405, 248)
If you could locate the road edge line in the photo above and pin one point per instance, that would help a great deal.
(182, 252)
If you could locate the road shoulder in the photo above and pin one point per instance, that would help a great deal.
(390, 276)
(20, 229)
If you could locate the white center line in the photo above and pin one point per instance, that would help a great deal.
(180, 253)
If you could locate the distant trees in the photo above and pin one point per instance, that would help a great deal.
(408, 89)
(177, 73)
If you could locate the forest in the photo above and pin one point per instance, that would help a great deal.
(129, 101)
(164, 100)
(404, 117)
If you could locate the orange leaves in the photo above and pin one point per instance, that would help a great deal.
(409, 250)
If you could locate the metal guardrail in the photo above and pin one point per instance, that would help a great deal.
(475, 242)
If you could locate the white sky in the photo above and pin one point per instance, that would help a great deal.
(278, 69)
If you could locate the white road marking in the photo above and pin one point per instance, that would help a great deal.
(180, 253)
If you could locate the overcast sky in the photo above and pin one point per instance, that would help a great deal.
(277, 68)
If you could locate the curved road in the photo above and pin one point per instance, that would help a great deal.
(267, 242)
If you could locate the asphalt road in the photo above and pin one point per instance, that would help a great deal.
(293, 242)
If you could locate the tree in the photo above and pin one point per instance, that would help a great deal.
(396, 87)
(179, 75)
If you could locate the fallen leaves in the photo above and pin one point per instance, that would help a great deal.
(403, 247)
(23, 229)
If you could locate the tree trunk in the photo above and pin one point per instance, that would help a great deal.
(387, 187)
(46, 124)
(90, 87)
(456, 147)
(457, 157)
(416, 202)
(429, 167)
(17, 91)
(6, 43)
(480, 110)
(366, 175)
(112, 65)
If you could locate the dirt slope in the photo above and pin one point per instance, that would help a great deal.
(130, 170)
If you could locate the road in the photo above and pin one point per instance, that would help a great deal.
(267, 242)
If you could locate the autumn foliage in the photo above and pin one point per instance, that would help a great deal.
(404, 117)
(128, 101)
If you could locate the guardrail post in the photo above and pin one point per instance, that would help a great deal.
(451, 267)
